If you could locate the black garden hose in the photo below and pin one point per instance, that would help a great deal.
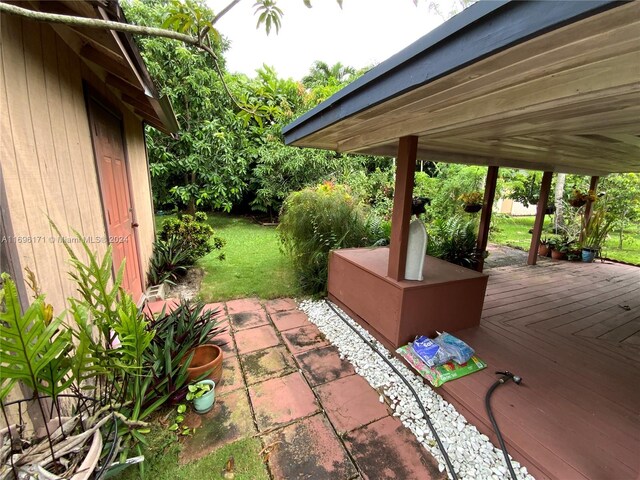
(409, 386)
(506, 376)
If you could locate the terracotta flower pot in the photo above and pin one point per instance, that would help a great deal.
(556, 255)
(206, 358)
(543, 250)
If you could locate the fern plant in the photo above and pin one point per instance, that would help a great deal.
(455, 240)
(31, 349)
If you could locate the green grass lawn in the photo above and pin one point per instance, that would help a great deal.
(254, 265)
(162, 453)
(514, 232)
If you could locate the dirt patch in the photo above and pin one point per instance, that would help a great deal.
(189, 287)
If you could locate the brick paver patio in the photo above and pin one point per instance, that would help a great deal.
(316, 417)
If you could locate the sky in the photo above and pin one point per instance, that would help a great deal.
(363, 33)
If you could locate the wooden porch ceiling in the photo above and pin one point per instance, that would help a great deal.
(567, 100)
(114, 57)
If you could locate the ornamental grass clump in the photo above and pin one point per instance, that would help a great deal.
(315, 221)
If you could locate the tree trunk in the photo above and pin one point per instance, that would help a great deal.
(191, 207)
(623, 222)
(559, 195)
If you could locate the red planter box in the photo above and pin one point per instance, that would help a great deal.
(449, 298)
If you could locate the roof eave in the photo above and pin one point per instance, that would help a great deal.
(481, 30)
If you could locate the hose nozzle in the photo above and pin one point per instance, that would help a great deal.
(506, 375)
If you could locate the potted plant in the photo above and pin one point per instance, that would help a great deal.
(559, 252)
(203, 395)
(38, 352)
(187, 336)
(543, 248)
(594, 233)
(206, 361)
(560, 247)
(472, 201)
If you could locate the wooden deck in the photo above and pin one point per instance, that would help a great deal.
(572, 331)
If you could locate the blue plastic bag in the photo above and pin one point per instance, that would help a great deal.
(431, 353)
(457, 350)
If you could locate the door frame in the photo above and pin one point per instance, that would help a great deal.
(91, 94)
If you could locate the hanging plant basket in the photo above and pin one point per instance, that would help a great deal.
(550, 210)
(473, 208)
(577, 202)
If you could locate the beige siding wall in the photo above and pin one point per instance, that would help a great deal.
(48, 165)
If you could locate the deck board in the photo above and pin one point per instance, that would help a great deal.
(572, 331)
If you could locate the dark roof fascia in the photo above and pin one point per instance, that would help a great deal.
(483, 29)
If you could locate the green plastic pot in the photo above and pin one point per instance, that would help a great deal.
(205, 403)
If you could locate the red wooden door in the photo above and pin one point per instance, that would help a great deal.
(108, 145)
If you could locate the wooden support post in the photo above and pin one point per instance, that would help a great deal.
(540, 212)
(485, 218)
(405, 170)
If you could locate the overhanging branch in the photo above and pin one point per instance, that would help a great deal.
(127, 28)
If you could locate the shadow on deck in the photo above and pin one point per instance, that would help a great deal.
(572, 331)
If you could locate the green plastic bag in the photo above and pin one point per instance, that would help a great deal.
(442, 373)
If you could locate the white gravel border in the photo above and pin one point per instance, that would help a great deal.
(472, 454)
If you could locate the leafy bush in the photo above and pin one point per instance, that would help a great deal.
(169, 261)
(281, 170)
(451, 182)
(313, 222)
(194, 234)
(454, 240)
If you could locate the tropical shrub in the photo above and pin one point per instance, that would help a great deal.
(314, 221)
(454, 240)
(281, 170)
(595, 228)
(97, 354)
(37, 351)
(169, 261)
(451, 182)
(194, 233)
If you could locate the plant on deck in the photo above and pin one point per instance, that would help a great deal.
(595, 228)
